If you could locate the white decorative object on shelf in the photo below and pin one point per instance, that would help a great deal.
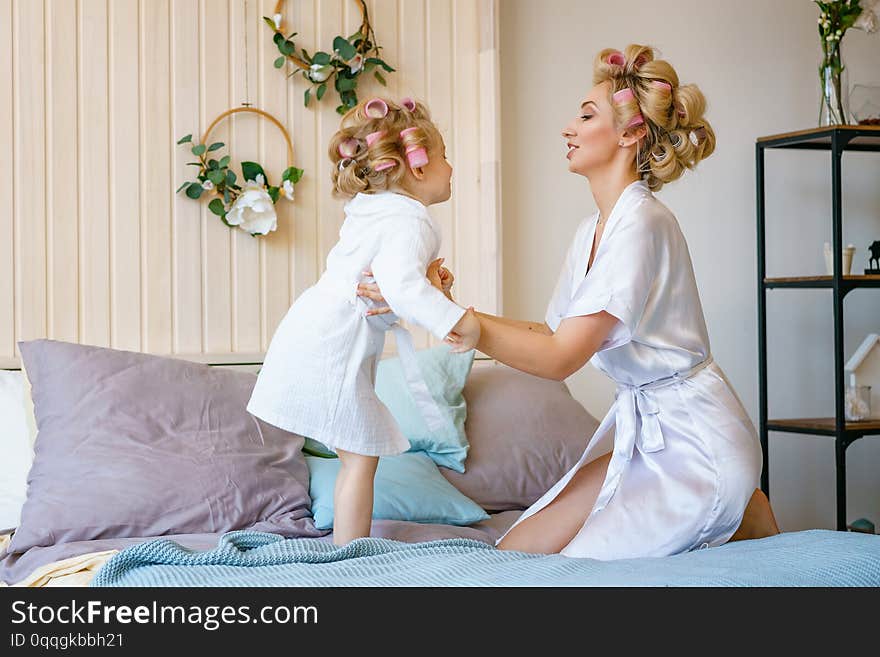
(848, 252)
(863, 370)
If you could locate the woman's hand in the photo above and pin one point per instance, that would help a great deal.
(440, 277)
(465, 335)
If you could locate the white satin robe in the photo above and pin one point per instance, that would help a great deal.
(319, 374)
(686, 456)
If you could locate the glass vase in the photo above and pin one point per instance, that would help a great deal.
(833, 106)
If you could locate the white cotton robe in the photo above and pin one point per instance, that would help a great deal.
(318, 377)
(686, 456)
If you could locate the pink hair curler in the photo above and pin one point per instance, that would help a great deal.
(408, 104)
(348, 148)
(638, 119)
(616, 58)
(416, 155)
(373, 137)
(660, 84)
(376, 109)
(387, 164)
(625, 95)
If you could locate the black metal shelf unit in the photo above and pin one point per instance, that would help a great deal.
(835, 139)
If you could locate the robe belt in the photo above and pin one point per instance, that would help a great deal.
(409, 363)
(637, 425)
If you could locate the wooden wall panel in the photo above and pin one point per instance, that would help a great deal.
(94, 245)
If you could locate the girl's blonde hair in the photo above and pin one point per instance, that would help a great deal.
(678, 135)
(355, 169)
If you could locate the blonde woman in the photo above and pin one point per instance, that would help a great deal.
(686, 461)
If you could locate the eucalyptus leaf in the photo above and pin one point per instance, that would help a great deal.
(380, 78)
(216, 177)
(341, 109)
(278, 38)
(279, 62)
(306, 97)
(321, 58)
(216, 146)
(270, 22)
(273, 194)
(344, 83)
(287, 48)
(346, 50)
(216, 206)
(184, 140)
(213, 164)
(181, 187)
(194, 164)
(250, 171)
(226, 196)
(194, 191)
(322, 88)
(199, 150)
(306, 56)
(292, 174)
(224, 161)
(230, 178)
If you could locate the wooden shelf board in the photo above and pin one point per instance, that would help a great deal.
(826, 424)
(823, 135)
(822, 279)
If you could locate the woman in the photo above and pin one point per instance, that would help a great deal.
(686, 459)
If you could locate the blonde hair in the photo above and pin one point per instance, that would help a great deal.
(677, 134)
(357, 172)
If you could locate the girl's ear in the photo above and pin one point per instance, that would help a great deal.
(418, 172)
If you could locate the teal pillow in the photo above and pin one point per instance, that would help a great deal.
(445, 374)
(407, 487)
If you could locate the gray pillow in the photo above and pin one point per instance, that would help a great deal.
(524, 433)
(131, 444)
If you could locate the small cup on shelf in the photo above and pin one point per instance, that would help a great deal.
(847, 254)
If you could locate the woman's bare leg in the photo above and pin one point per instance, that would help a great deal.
(758, 520)
(353, 496)
(552, 528)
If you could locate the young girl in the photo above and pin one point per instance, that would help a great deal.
(319, 372)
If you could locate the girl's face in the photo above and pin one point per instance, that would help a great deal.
(435, 185)
(591, 137)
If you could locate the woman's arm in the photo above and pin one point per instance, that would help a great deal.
(556, 356)
(518, 323)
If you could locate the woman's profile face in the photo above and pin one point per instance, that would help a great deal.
(591, 137)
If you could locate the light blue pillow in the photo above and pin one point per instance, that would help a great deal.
(407, 487)
(445, 374)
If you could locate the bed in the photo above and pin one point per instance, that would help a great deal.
(145, 470)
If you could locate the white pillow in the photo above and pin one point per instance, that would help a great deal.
(16, 445)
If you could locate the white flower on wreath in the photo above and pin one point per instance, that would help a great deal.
(253, 210)
(356, 63)
(287, 190)
(869, 19)
(319, 72)
(207, 185)
(276, 18)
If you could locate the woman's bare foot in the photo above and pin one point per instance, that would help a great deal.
(758, 520)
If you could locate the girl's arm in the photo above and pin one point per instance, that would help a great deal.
(556, 356)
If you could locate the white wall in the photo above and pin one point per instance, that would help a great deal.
(756, 61)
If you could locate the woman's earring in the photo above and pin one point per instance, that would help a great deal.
(621, 142)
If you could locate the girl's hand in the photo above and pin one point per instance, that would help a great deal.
(465, 335)
(372, 291)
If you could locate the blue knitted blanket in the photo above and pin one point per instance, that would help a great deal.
(247, 558)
